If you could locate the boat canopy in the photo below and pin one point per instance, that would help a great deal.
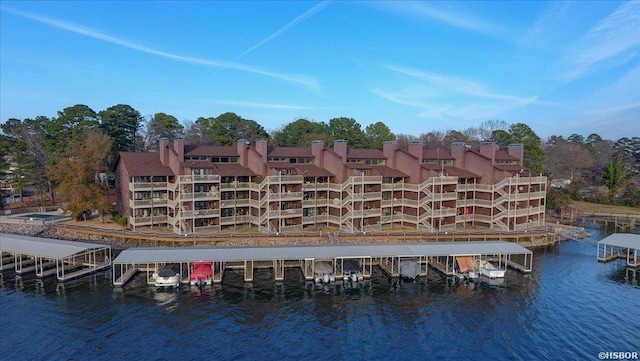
(465, 263)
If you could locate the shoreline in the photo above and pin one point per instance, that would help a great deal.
(117, 241)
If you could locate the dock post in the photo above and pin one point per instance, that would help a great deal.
(248, 271)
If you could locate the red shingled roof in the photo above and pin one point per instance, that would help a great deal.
(233, 170)
(502, 155)
(290, 152)
(387, 172)
(450, 170)
(310, 170)
(143, 164)
(210, 150)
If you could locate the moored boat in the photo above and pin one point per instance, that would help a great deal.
(167, 277)
(489, 270)
(202, 273)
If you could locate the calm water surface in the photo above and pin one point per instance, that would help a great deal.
(571, 307)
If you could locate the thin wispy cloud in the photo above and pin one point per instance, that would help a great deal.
(459, 85)
(614, 37)
(447, 15)
(262, 105)
(300, 80)
(309, 13)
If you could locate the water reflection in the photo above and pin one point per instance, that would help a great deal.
(532, 316)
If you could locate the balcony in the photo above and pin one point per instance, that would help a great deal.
(139, 186)
(367, 196)
(285, 196)
(206, 195)
(285, 179)
(297, 212)
(291, 228)
(308, 186)
(235, 185)
(144, 221)
(146, 203)
(206, 213)
(366, 179)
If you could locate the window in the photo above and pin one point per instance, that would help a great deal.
(224, 159)
(375, 161)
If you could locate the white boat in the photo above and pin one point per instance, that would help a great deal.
(353, 276)
(324, 273)
(489, 270)
(167, 277)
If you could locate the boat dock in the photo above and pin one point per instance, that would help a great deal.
(620, 246)
(310, 259)
(47, 257)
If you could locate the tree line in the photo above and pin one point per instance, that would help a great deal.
(66, 153)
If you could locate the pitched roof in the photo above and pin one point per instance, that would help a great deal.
(310, 170)
(450, 170)
(210, 150)
(437, 153)
(356, 153)
(233, 170)
(143, 164)
(290, 152)
(407, 153)
(502, 155)
(199, 164)
(388, 172)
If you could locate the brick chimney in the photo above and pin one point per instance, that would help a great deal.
(415, 149)
(242, 147)
(457, 152)
(389, 150)
(317, 146)
(489, 149)
(340, 147)
(517, 150)
(178, 147)
(163, 149)
(262, 149)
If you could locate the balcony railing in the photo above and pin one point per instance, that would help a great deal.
(144, 203)
(235, 185)
(147, 185)
(292, 228)
(285, 179)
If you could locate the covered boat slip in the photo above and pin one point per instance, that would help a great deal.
(48, 257)
(307, 258)
(620, 245)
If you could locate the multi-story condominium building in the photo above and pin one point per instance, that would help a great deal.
(200, 189)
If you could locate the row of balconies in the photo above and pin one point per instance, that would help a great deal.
(140, 186)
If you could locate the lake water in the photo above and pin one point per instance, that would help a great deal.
(570, 307)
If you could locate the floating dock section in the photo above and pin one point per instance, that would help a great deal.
(620, 246)
(48, 257)
(307, 258)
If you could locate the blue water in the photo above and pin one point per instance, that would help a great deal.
(571, 307)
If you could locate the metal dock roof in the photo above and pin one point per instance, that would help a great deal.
(44, 247)
(624, 240)
(190, 254)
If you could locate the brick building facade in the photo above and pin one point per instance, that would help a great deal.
(199, 189)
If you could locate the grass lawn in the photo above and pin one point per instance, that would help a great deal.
(586, 207)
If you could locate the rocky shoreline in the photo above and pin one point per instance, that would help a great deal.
(119, 243)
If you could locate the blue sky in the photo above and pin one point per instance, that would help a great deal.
(560, 67)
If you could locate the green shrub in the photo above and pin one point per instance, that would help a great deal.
(120, 219)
